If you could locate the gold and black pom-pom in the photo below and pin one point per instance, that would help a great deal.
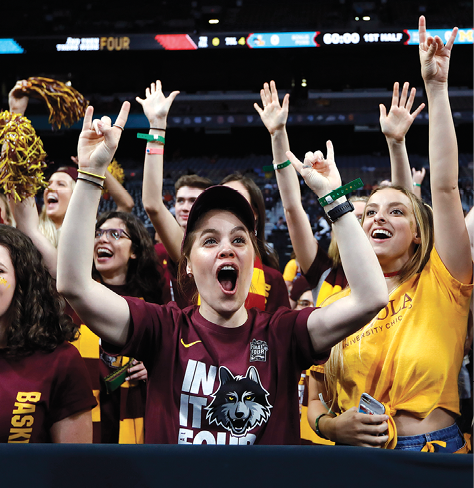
(22, 158)
(66, 105)
(116, 171)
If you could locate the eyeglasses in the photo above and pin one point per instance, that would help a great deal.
(109, 233)
(305, 303)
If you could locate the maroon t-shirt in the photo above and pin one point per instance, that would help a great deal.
(276, 289)
(39, 390)
(215, 385)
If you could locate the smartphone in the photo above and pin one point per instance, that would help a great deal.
(370, 405)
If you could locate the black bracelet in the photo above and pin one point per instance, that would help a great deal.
(91, 182)
(316, 424)
(157, 128)
(340, 210)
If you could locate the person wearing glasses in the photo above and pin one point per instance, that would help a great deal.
(126, 263)
(218, 373)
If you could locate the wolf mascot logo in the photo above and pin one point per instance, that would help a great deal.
(240, 403)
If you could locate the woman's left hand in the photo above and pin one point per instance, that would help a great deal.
(434, 55)
(138, 372)
(395, 125)
(99, 140)
(320, 174)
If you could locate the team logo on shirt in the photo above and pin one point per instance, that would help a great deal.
(258, 350)
(240, 403)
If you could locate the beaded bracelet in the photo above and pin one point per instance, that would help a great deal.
(275, 166)
(341, 191)
(151, 137)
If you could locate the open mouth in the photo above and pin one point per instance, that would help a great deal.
(239, 425)
(227, 276)
(381, 234)
(52, 199)
(104, 253)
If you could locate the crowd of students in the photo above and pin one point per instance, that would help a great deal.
(197, 340)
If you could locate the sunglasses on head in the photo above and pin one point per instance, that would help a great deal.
(109, 233)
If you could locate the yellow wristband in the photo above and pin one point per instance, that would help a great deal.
(91, 174)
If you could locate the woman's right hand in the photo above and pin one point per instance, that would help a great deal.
(356, 429)
(99, 140)
(18, 98)
(320, 174)
(155, 105)
(273, 115)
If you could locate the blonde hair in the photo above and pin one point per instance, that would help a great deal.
(46, 226)
(48, 229)
(423, 214)
(333, 250)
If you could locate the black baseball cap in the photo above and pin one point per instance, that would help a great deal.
(220, 197)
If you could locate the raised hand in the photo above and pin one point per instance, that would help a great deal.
(395, 125)
(273, 115)
(99, 140)
(434, 55)
(17, 98)
(418, 176)
(155, 105)
(320, 174)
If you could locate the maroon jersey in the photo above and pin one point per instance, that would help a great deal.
(39, 390)
(215, 385)
(276, 291)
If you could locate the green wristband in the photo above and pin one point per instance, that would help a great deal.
(151, 137)
(274, 167)
(316, 424)
(341, 191)
(416, 184)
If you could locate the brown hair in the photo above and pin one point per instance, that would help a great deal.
(187, 283)
(143, 277)
(36, 314)
(193, 181)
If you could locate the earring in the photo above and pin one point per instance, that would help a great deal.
(190, 275)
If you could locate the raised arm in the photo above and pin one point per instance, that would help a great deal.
(395, 126)
(418, 176)
(329, 325)
(17, 98)
(451, 238)
(156, 107)
(27, 220)
(274, 117)
(122, 198)
(103, 311)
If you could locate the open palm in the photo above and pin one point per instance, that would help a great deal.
(273, 115)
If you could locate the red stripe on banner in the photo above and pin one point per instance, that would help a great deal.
(176, 42)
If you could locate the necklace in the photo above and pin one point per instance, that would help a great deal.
(392, 274)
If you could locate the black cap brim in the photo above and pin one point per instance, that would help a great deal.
(220, 197)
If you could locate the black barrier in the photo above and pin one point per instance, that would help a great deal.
(71, 466)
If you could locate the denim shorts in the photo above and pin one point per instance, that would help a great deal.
(451, 435)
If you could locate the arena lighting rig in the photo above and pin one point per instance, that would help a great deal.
(207, 41)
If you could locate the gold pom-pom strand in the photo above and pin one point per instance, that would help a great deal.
(22, 159)
(66, 105)
(116, 171)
